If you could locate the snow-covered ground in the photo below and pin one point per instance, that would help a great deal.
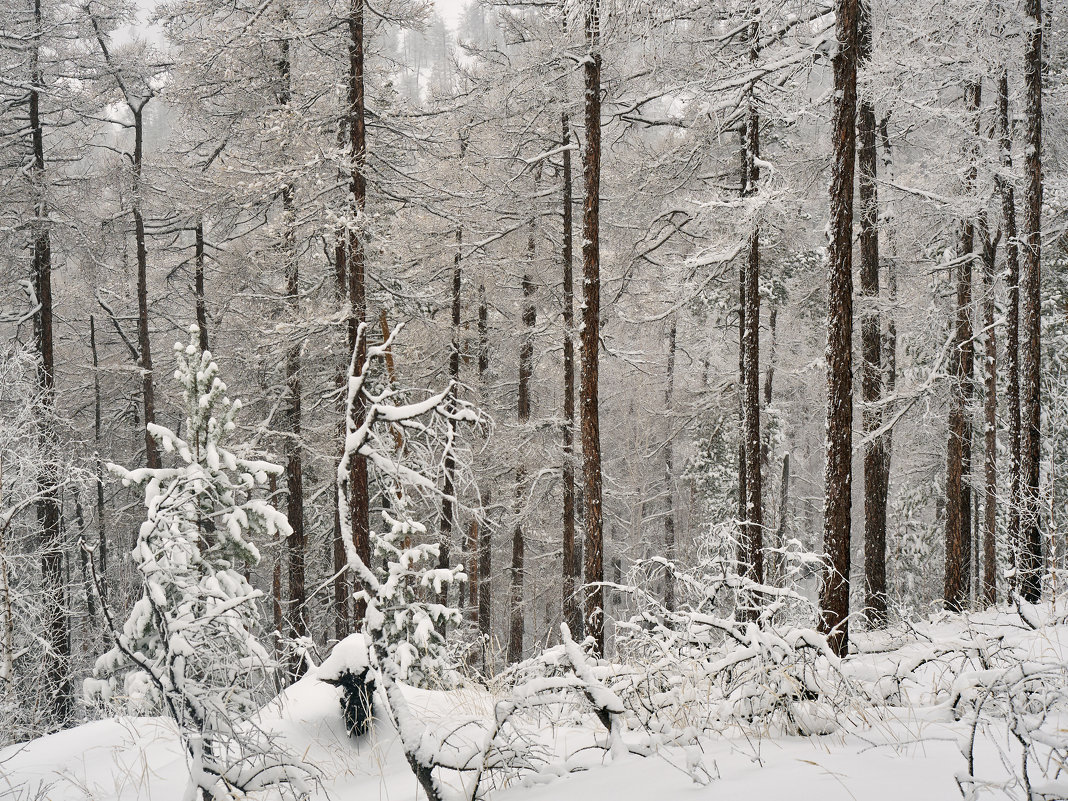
(912, 750)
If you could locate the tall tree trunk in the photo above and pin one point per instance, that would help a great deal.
(485, 533)
(742, 551)
(571, 603)
(448, 501)
(591, 333)
(359, 502)
(526, 373)
(669, 476)
(958, 450)
(56, 668)
(1007, 192)
(871, 345)
(754, 504)
(990, 408)
(98, 431)
(783, 527)
(515, 628)
(339, 590)
(889, 344)
(834, 598)
(296, 543)
(1031, 303)
(198, 285)
(144, 344)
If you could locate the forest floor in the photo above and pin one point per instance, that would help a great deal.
(912, 750)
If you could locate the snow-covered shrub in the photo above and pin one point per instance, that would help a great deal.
(399, 624)
(23, 613)
(409, 624)
(402, 575)
(188, 647)
(732, 652)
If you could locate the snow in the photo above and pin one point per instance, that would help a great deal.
(140, 758)
(914, 749)
(351, 655)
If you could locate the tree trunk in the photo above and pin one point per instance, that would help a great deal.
(591, 334)
(56, 668)
(485, 533)
(871, 346)
(102, 541)
(295, 543)
(471, 546)
(198, 285)
(1007, 192)
(1031, 303)
(742, 557)
(359, 502)
(958, 458)
(571, 603)
(889, 344)
(526, 373)
(990, 407)
(144, 344)
(448, 501)
(834, 598)
(669, 476)
(754, 504)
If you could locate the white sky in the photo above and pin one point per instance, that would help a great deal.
(450, 10)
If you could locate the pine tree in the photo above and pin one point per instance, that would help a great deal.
(188, 645)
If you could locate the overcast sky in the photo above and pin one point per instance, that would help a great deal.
(450, 10)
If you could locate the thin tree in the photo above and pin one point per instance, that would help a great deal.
(57, 680)
(296, 543)
(990, 415)
(135, 102)
(875, 457)
(669, 474)
(958, 448)
(1007, 192)
(1031, 303)
(359, 499)
(485, 533)
(571, 606)
(834, 597)
(199, 295)
(752, 536)
(526, 373)
(591, 332)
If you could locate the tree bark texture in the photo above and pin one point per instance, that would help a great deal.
(875, 484)
(1007, 193)
(591, 334)
(571, 601)
(56, 668)
(1031, 308)
(958, 450)
(834, 597)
